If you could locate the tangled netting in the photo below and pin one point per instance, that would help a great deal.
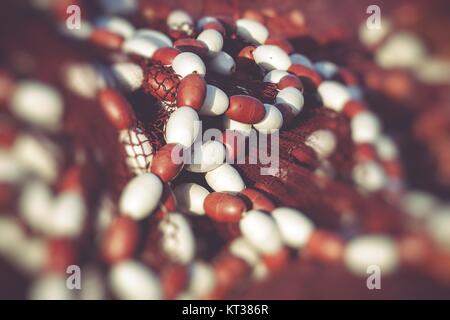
(327, 199)
(96, 160)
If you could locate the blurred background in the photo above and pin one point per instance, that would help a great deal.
(404, 68)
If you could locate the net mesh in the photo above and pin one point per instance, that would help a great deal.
(105, 170)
